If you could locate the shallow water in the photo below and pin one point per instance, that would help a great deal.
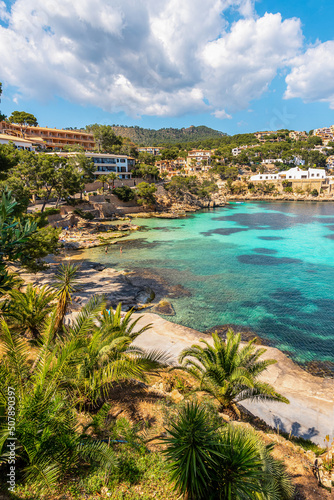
(268, 266)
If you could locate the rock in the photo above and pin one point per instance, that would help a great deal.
(164, 307)
(145, 296)
(98, 267)
(311, 456)
(225, 417)
(176, 396)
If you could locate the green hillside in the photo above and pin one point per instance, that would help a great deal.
(150, 137)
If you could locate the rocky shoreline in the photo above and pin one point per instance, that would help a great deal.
(311, 397)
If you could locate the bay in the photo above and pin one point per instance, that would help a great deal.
(265, 266)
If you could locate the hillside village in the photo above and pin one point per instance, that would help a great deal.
(268, 163)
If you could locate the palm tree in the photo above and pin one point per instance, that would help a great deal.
(27, 311)
(103, 179)
(65, 284)
(49, 445)
(112, 177)
(228, 371)
(107, 353)
(208, 461)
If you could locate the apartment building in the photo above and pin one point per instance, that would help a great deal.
(198, 160)
(171, 167)
(51, 138)
(107, 163)
(150, 150)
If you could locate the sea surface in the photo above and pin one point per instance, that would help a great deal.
(266, 266)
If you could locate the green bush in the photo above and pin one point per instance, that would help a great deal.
(288, 189)
(314, 192)
(124, 193)
(84, 215)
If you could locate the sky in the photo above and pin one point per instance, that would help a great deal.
(234, 65)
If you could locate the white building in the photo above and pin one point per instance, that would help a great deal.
(330, 162)
(106, 163)
(272, 160)
(17, 141)
(298, 161)
(293, 174)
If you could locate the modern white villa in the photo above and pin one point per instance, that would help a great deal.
(106, 163)
(293, 174)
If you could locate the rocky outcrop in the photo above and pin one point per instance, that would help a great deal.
(186, 202)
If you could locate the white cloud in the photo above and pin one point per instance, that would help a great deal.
(153, 57)
(221, 114)
(312, 75)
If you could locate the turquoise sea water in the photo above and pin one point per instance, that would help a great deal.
(268, 266)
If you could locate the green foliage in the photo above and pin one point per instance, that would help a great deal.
(192, 450)
(228, 371)
(124, 193)
(180, 186)
(145, 171)
(314, 192)
(83, 214)
(145, 193)
(65, 285)
(288, 189)
(150, 137)
(214, 462)
(226, 172)
(27, 311)
(105, 137)
(23, 118)
(43, 242)
(14, 235)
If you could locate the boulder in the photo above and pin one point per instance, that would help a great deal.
(164, 307)
(176, 396)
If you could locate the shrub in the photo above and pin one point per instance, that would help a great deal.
(288, 189)
(314, 192)
(124, 193)
(83, 215)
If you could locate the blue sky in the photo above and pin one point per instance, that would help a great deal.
(236, 66)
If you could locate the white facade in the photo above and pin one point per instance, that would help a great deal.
(293, 174)
(17, 141)
(297, 160)
(107, 163)
(272, 160)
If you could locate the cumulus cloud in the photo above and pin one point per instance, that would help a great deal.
(153, 57)
(221, 114)
(312, 75)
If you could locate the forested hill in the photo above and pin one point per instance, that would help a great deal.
(150, 137)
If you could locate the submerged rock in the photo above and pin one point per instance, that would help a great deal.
(164, 307)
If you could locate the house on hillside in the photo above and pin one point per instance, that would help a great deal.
(292, 174)
(106, 163)
(17, 142)
(198, 160)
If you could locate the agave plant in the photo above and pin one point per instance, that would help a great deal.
(228, 371)
(27, 311)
